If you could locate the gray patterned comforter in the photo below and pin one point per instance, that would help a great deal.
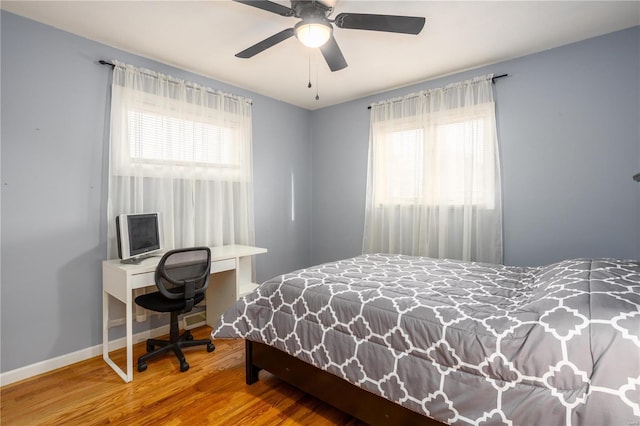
(463, 342)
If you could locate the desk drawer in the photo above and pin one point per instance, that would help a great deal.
(143, 280)
(148, 278)
(223, 265)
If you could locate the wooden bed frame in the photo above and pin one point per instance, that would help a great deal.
(364, 405)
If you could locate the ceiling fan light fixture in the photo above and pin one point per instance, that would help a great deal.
(313, 34)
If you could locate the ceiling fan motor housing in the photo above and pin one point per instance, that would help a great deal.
(311, 10)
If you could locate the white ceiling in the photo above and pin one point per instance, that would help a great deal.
(204, 36)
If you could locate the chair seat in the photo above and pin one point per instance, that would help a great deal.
(157, 302)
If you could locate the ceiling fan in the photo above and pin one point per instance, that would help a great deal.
(315, 29)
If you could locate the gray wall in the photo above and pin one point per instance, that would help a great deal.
(54, 142)
(568, 123)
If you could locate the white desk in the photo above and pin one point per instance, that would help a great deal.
(230, 280)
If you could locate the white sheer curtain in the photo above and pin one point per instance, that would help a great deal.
(433, 185)
(184, 151)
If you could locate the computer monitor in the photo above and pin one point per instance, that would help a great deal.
(138, 235)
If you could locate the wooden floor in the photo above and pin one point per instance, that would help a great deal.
(211, 392)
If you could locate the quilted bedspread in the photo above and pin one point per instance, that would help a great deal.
(463, 342)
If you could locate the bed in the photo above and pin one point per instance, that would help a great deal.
(396, 339)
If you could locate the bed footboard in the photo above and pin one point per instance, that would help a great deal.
(331, 389)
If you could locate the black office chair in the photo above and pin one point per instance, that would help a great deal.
(182, 276)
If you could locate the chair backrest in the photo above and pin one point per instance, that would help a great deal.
(183, 273)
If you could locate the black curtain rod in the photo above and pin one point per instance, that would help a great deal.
(493, 81)
(103, 62)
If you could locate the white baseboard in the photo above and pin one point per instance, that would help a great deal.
(45, 366)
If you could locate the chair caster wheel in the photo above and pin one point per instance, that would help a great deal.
(210, 347)
(189, 337)
(150, 347)
(184, 366)
(142, 366)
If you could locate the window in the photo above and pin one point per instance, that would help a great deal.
(434, 179)
(165, 138)
(405, 149)
(437, 171)
(160, 139)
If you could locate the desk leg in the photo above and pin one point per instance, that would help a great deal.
(221, 295)
(129, 308)
(105, 340)
(105, 326)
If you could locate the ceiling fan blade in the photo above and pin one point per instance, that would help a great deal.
(269, 7)
(389, 23)
(333, 55)
(265, 44)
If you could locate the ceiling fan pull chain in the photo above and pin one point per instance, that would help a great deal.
(309, 85)
(317, 83)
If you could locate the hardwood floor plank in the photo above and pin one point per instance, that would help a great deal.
(211, 392)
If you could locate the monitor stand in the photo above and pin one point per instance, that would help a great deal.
(136, 260)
